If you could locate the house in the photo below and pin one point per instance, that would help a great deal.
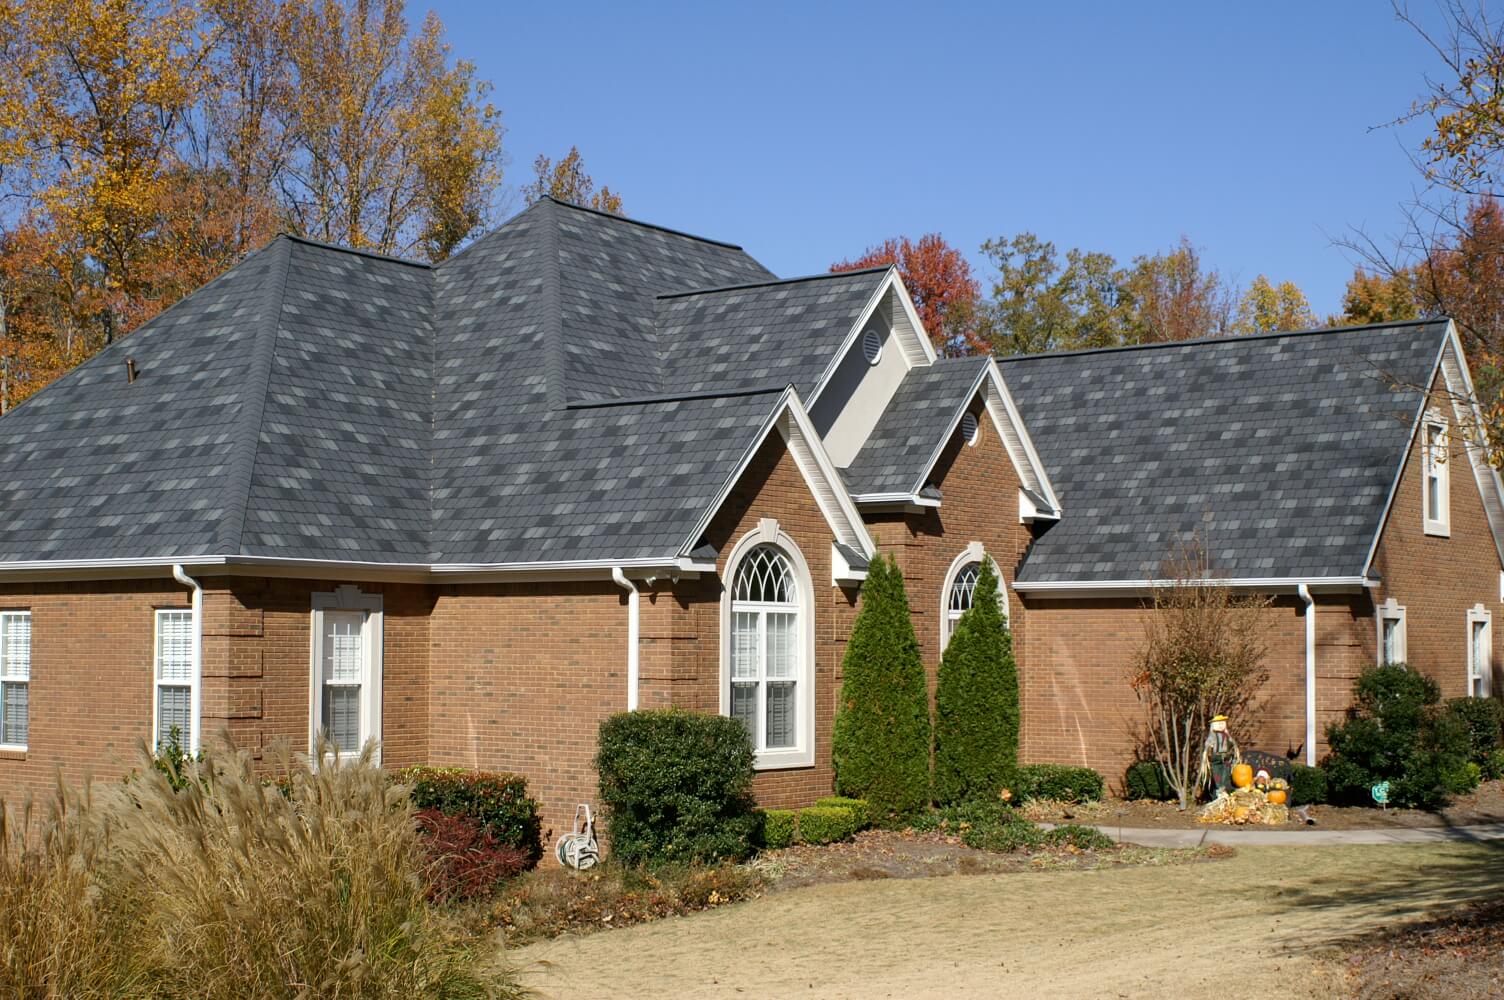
(591, 464)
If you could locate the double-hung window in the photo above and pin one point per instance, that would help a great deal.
(176, 685)
(15, 679)
(346, 692)
(1435, 491)
(765, 649)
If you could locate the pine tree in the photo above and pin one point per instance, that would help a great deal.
(976, 704)
(882, 728)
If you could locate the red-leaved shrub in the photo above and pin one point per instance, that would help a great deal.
(464, 858)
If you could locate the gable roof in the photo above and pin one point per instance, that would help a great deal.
(1281, 450)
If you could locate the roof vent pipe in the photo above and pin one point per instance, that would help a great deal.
(130, 370)
(633, 618)
(1305, 595)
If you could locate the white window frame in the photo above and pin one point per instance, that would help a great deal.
(973, 553)
(1391, 610)
(190, 743)
(767, 532)
(10, 675)
(1480, 684)
(348, 598)
(1434, 465)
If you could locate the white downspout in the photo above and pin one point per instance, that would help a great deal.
(633, 618)
(1305, 595)
(198, 653)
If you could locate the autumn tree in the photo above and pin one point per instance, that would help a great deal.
(568, 181)
(1174, 296)
(1043, 303)
(1379, 298)
(1266, 307)
(938, 278)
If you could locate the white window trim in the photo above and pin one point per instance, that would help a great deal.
(1391, 609)
(767, 532)
(974, 552)
(7, 616)
(348, 598)
(192, 743)
(1478, 613)
(1435, 522)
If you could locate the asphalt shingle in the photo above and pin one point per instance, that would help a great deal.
(910, 429)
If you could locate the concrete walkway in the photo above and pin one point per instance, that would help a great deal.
(1308, 837)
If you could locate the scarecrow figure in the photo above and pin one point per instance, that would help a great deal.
(1218, 755)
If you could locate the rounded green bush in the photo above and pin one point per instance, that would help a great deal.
(676, 786)
(1061, 782)
(1082, 838)
(1013, 834)
(778, 828)
(1307, 785)
(1146, 780)
(827, 824)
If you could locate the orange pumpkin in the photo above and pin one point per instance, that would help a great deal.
(1242, 775)
(1278, 796)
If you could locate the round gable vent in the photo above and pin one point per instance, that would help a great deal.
(969, 428)
(872, 346)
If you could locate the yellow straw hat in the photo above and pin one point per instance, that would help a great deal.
(1219, 718)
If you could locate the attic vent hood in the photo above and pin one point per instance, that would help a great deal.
(969, 428)
(872, 345)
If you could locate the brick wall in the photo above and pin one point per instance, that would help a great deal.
(1438, 579)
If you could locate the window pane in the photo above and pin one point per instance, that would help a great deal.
(342, 715)
(14, 716)
(765, 575)
(1433, 495)
(781, 715)
(744, 645)
(343, 661)
(174, 711)
(744, 707)
(15, 646)
(1391, 640)
(783, 653)
(1480, 648)
(964, 588)
(175, 646)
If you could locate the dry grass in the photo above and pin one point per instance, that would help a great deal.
(231, 887)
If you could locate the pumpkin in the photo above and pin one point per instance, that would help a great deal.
(1242, 775)
(1277, 796)
(1240, 814)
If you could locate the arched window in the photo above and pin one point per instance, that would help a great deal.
(767, 649)
(961, 588)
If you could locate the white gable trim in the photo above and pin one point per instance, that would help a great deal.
(1010, 428)
(915, 343)
(792, 422)
(1451, 364)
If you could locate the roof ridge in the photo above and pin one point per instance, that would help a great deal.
(1230, 339)
(773, 281)
(614, 217)
(247, 443)
(392, 258)
(676, 397)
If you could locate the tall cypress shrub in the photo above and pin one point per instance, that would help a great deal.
(882, 728)
(976, 703)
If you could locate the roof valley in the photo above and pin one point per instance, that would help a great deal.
(258, 383)
(553, 311)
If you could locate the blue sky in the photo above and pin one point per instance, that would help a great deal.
(807, 132)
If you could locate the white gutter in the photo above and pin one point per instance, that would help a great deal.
(1259, 583)
(633, 620)
(198, 653)
(1305, 595)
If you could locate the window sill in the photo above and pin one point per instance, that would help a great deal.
(783, 760)
(12, 753)
(1437, 530)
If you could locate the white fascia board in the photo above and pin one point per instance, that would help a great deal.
(889, 499)
(1239, 583)
(853, 531)
(1022, 430)
(893, 282)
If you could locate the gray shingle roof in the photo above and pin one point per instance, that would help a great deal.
(319, 403)
(910, 429)
(1281, 450)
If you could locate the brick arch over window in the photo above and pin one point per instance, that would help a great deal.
(767, 675)
(960, 582)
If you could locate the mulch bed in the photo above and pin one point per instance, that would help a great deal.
(1483, 805)
(1458, 957)
(877, 854)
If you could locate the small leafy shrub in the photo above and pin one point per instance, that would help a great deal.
(677, 787)
(498, 801)
(778, 828)
(881, 738)
(859, 806)
(1062, 782)
(1146, 780)
(1082, 838)
(961, 816)
(1484, 720)
(976, 701)
(1013, 834)
(465, 859)
(1397, 732)
(1307, 785)
(827, 824)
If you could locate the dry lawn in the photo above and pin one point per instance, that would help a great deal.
(1268, 922)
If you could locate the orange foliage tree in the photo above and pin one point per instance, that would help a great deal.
(939, 280)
